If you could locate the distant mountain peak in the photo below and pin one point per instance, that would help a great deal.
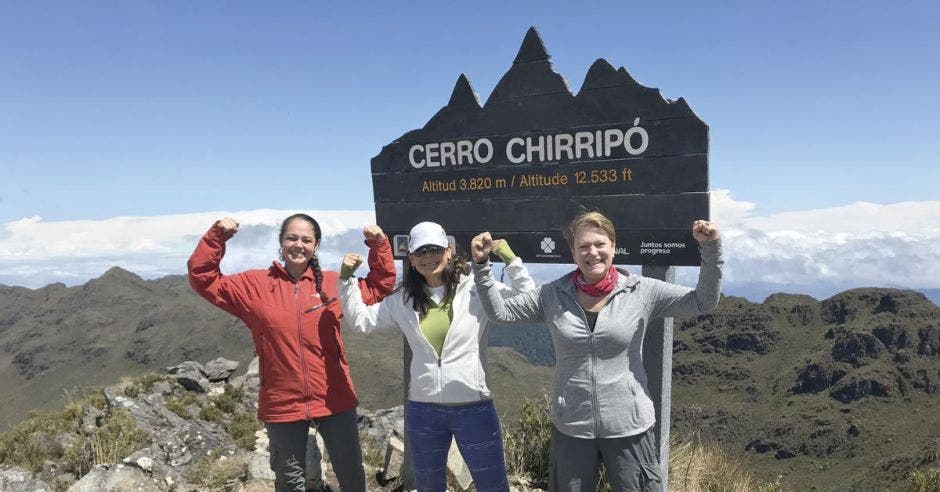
(118, 273)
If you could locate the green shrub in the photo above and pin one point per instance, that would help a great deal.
(228, 401)
(95, 398)
(33, 441)
(527, 441)
(242, 429)
(180, 404)
(143, 383)
(210, 413)
(55, 435)
(116, 438)
(372, 455)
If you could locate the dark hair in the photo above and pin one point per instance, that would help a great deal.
(314, 262)
(412, 282)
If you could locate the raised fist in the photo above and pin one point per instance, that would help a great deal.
(373, 232)
(228, 226)
(703, 230)
(481, 246)
(350, 263)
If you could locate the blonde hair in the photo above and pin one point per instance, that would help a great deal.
(589, 219)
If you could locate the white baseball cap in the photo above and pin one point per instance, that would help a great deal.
(425, 233)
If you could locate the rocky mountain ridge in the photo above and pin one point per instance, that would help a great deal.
(119, 325)
(839, 393)
(832, 394)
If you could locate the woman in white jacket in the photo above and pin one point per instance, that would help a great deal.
(438, 310)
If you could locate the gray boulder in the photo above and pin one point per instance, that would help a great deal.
(16, 479)
(220, 369)
(117, 478)
(191, 375)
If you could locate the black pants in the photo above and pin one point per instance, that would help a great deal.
(632, 463)
(289, 451)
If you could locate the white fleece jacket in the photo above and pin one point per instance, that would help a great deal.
(459, 374)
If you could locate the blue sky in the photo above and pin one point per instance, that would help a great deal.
(126, 127)
(144, 108)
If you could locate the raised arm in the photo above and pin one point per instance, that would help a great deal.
(672, 300)
(356, 314)
(381, 277)
(229, 292)
(521, 302)
(519, 278)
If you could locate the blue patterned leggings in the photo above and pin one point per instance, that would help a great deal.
(474, 426)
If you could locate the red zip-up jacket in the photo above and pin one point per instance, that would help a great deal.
(303, 367)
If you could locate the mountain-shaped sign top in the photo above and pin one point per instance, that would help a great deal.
(532, 96)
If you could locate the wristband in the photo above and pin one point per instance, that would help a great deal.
(504, 252)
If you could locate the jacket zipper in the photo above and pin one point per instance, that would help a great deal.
(593, 386)
(440, 357)
(440, 379)
(300, 347)
(593, 365)
(261, 362)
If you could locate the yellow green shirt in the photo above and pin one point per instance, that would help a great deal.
(436, 323)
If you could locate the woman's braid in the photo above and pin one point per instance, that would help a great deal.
(318, 277)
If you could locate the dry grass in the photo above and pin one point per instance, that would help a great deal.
(924, 480)
(222, 473)
(695, 466)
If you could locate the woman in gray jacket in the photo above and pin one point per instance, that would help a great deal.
(601, 408)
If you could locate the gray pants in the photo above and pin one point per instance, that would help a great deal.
(340, 435)
(632, 463)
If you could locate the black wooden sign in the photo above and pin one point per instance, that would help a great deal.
(525, 163)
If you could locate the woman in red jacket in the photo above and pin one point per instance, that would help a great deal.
(294, 319)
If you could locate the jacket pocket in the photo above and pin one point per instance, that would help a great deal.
(651, 475)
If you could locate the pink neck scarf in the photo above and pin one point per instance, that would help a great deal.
(601, 288)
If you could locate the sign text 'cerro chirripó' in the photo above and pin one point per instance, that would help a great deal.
(526, 162)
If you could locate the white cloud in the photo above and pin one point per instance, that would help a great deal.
(862, 244)
(34, 252)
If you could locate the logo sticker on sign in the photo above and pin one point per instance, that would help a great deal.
(548, 245)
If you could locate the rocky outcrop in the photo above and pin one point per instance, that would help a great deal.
(816, 376)
(192, 429)
(929, 341)
(738, 326)
(16, 479)
(798, 310)
(807, 435)
(855, 347)
(191, 375)
(220, 369)
(118, 477)
(861, 304)
(893, 335)
(856, 386)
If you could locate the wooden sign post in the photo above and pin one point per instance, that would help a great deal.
(534, 155)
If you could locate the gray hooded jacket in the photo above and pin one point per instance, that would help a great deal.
(600, 387)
